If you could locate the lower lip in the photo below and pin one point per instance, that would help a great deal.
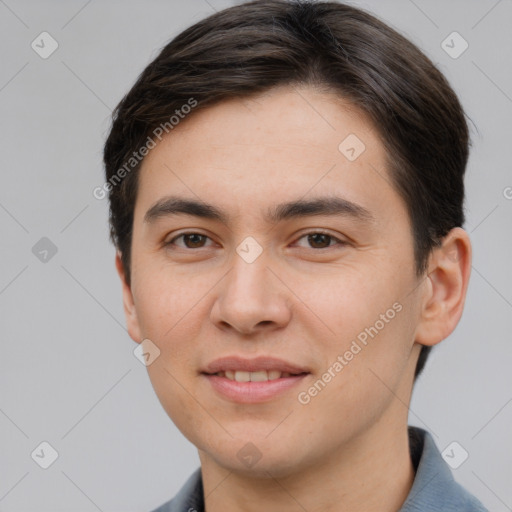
(253, 392)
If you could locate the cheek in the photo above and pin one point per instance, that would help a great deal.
(171, 389)
(167, 315)
(369, 321)
(349, 299)
(165, 303)
(360, 378)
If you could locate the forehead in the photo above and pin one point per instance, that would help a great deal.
(284, 144)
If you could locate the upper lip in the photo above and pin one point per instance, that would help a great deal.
(234, 363)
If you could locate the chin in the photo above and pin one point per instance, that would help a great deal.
(257, 457)
(264, 468)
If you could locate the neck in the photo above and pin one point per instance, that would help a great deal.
(372, 473)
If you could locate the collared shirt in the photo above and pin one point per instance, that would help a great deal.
(434, 488)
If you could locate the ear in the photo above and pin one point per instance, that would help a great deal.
(445, 288)
(130, 311)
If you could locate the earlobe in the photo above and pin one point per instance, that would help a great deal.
(445, 288)
(130, 310)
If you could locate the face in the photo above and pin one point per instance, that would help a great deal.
(321, 298)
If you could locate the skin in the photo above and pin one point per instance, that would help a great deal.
(298, 301)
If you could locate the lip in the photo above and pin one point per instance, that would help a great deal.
(253, 392)
(234, 363)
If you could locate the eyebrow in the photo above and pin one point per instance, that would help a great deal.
(329, 205)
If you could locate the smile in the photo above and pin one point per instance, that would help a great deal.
(250, 381)
(258, 376)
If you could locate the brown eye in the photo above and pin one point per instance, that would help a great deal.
(190, 240)
(194, 239)
(319, 240)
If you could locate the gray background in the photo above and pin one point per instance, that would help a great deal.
(68, 375)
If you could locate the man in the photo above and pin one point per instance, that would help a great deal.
(286, 192)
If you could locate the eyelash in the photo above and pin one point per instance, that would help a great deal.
(340, 243)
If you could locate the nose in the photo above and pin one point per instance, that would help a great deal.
(251, 298)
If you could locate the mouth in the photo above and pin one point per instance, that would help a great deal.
(258, 376)
(252, 380)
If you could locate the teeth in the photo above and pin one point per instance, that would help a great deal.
(260, 376)
(242, 376)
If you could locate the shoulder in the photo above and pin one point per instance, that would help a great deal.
(434, 487)
(189, 497)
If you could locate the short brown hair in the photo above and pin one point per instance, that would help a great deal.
(252, 47)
